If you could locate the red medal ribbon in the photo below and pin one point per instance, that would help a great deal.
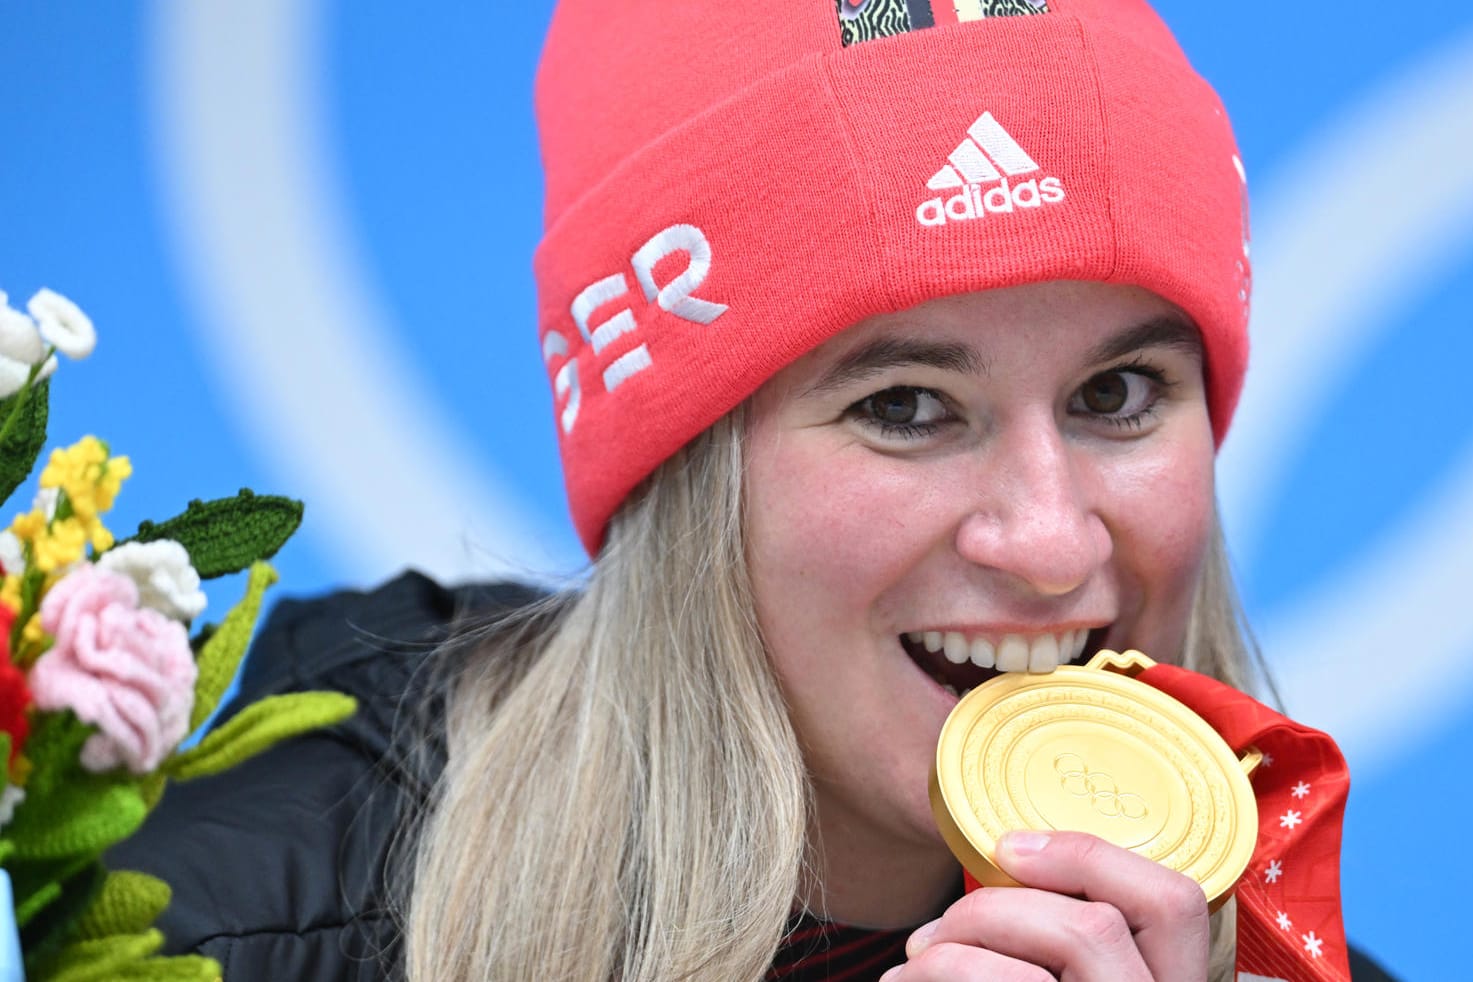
(1289, 922)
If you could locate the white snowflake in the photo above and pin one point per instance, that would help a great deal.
(1312, 944)
(1267, 761)
(1274, 871)
(1284, 921)
(1290, 819)
(1300, 790)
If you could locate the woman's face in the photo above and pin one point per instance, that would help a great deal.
(1016, 477)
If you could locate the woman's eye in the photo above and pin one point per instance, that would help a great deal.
(1120, 396)
(902, 411)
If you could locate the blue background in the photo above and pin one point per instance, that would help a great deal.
(223, 186)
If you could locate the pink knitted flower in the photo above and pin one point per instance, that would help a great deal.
(127, 669)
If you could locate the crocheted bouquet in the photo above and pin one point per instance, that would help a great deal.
(101, 681)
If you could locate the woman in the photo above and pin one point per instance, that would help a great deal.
(889, 354)
(891, 344)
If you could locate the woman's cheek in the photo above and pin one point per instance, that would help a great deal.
(827, 508)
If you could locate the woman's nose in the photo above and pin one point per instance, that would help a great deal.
(1035, 515)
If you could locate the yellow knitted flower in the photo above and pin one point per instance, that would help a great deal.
(28, 526)
(33, 636)
(90, 479)
(56, 543)
(10, 591)
(64, 543)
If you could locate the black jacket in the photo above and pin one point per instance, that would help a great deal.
(278, 866)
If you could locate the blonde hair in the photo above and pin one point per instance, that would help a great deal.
(625, 797)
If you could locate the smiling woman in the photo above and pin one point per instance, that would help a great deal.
(995, 471)
(871, 388)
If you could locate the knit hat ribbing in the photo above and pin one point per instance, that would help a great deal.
(729, 185)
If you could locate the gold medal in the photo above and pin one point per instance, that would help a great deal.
(1092, 749)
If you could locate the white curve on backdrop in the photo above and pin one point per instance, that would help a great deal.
(303, 344)
(1374, 211)
(253, 201)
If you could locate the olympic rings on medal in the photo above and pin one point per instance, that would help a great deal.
(1099, 787)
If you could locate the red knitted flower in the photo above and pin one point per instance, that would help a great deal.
(15, 697)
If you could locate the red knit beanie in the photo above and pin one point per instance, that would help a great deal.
(731, 184)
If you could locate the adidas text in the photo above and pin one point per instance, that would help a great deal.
(971, 201)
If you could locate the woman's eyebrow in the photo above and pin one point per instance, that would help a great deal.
(883, 354)
(1164, 331)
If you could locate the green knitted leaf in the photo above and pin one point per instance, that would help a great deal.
(202, 636)
(228, 534)
(96, 960)
(54, 748)
(258, 727)
(128, 903)
(220, 656)
(45, 931)
(75, 820)
(151, 789)
(23, 421)
(176, 968)
(69, 811)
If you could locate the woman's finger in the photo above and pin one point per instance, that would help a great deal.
(951, 962)
(1061, 937)
(1165, 911)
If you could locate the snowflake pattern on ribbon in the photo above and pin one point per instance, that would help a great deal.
(1289, 921)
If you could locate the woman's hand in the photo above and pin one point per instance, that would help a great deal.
(1137, 920)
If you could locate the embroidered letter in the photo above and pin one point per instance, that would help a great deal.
(565, 382)
(595, 296)
(675, 296)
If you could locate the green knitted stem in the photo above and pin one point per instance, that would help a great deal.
(46, 931)
(228, 534)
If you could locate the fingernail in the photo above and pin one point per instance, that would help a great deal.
(920, 938)
(1024, 843)
(893, 973)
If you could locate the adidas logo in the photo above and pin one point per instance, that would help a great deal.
(988, 154)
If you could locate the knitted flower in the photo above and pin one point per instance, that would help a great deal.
(10, 799)
(127, 669)
(12, 553)
(63, 324)
(14, 696)
(21, 348)
(55, 544)
(90, 477)
(19, 337)
(165, 579)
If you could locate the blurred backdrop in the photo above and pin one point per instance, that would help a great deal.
(303, 229)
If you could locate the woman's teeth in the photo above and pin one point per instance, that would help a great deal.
(1014, 653)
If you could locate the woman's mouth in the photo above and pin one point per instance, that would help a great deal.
(960, 662)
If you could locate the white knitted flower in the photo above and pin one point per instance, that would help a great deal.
(166, 581)
(13, 375)
(45, 502)
(21, 347)
(63, 324)
(10, 800)
(19, 339)
(12, 554)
